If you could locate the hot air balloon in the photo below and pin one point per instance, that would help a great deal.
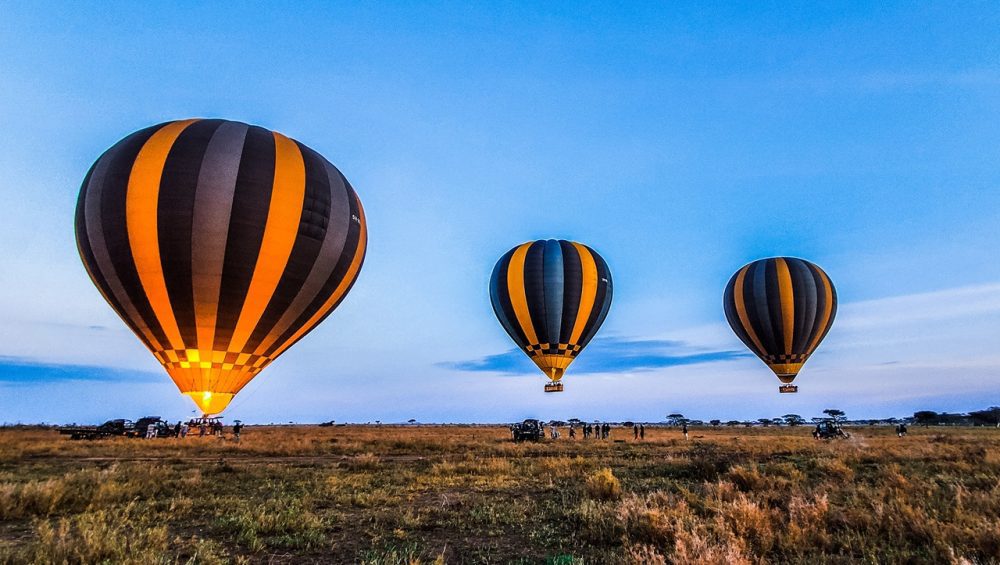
(781, 308)
(551, 296)
(220, 244)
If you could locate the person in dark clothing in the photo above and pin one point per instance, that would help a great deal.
(816, 432)
(237, 428)
(642, 431)
(572, 432)
(635, 431)
(177, 429)
(684, 428)
(902, 430)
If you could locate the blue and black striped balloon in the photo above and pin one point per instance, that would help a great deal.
(551, 296)
(781, 308)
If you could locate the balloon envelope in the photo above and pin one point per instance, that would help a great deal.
(220, 245)
(781, 308)
(551, 296)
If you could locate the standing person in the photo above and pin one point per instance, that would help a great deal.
(237, 428)
(572, 432)
(642, 431)
(635, 431)
(201, 430)
(902, 430)
(684, 429)
(586, 430)
(177, 429)
(184, 429)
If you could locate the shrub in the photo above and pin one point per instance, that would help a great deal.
(603, 485)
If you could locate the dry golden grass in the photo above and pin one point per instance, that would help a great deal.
(469, 495)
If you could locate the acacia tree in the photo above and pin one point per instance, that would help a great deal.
(676, 419)
(834, 414)
(794, 419)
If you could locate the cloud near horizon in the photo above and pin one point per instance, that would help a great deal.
(603, 355)
(14, 371)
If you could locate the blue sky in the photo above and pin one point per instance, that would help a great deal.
(680, 141)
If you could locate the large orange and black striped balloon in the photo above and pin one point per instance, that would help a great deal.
(551, 296)
(220, 244)
(781, 308)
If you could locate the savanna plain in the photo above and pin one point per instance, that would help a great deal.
(468, 494)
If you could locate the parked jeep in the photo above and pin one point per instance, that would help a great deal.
(528, 430)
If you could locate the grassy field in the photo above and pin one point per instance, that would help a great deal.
(469, 495)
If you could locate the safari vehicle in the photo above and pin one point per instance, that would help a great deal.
(111, 428)
(830, 430)
(163, 429)
(528, 430)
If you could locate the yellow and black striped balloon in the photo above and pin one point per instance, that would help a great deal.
(781, 308)
(551, 296)
(220, 245)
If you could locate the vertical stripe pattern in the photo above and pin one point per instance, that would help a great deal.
(781, 308)
(551, 296)
(219, 244)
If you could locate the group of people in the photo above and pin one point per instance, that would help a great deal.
(638, 431)
(596, 431)
(182, 429)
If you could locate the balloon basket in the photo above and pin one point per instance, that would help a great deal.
(554, 387)
(788, 389)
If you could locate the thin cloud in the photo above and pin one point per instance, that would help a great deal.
(19, 371)
(611, 354)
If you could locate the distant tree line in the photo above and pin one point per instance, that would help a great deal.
(987, 417)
